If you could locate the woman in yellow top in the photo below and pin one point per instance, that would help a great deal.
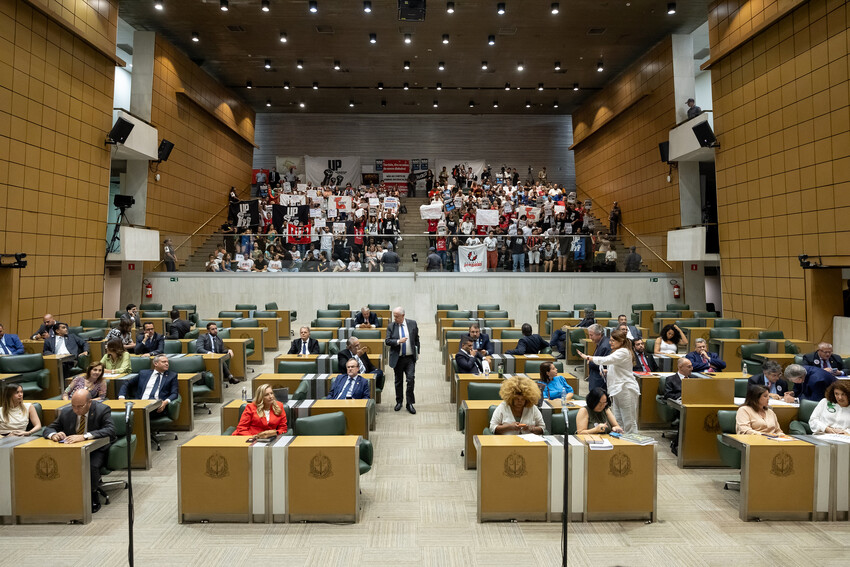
(116, 360)
(755, 417)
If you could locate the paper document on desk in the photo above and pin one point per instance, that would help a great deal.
(531, 437)
(531, 356)
(578, 403)
(596, 443)
(835, 437)
(782, 438)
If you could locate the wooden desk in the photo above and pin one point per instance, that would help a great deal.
(53, 482)
(648, 417)
(283, 326)
(729, 350)
(270, 339)
(142, 410)
(7, 482)
(33, 346)
(53, 363)
(515, 364)
(496, 332)
(214, 363)
(777, 478)
(230, 414)
(238, 363)
(620, 484)
(356, 413)
(781, 358)
(50, 409)
(322, 479)
(508, 465)
(698, 430)
(258, 335)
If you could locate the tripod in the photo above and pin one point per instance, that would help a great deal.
(116, 237)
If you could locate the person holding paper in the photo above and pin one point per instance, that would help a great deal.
(623, 388)
(755, 417)
(596, 417)
(518, 413)
(832, 414)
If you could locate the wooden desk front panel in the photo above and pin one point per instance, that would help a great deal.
(256, 333)
(270, 338)
(238, 364)
(186, 419)
(621, 484)
(707, 391)
(141, 458)
(476, 422)
(698, 430)
(230, 414)
(507, 468)
(323, 474)
(356, 416)
(214, 478)
(648, 408)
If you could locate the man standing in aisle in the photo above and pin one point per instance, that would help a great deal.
(403, 340)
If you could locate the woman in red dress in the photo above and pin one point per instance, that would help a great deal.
(264, 417)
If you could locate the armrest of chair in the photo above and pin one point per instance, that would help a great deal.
(797, 427)
(43, 379)
(367, 451)
(173, 409)
(229, 431)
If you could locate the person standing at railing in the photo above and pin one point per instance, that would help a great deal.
(614, 219)
(170, 256)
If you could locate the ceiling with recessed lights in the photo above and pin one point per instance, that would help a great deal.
(527, 59)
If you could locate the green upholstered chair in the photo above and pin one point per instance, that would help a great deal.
(497, 323)
(189, 307)
(93, 335)
(478, 391)
(301, 392)
(223, 333)
(40, 413)
(800, 426)
(747, 351)
(377, 306)
(76, 330)
(667, 414)
(245, 307)
(202, 324)
(94, 323)
(334, 365)
(446, 306)
(488, 307)
(576, 336)
(117, 455)
(194, 333)
(677, 307)
(193, 345)
(339, 306)
(323, 335)
(455, 314)
(264, 314)
(245, 322)
(559, 425)
(724, 333)
(173, 346)
(666, 314)
(191, 365)
(650, 345)
(298, 367)
(150, 307)
(155, 313)
(642, 307)
(727, 323)
(705, 314)
(455, 334)
(532, 368)
(798, 359)
(335, 346)
(729, 456)
(583, 306)
(328, 314)
(139, 363)
(34, 377)
(511, 334)
(602, 314)
(690, 323)
(230, 314)
(495, 314)
(771, 335)
(555, 315)
(164, 419)
(741, 385)
(334, 424)
(327, 323)
(366, 333)
(465, 323)
(791, 348)
(549, 307)
(271, 306)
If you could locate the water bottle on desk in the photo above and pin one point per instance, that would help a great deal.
(244, 394)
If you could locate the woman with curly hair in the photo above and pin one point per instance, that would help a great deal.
(670, 339)
(518, 412)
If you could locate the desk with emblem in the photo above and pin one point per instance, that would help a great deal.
(142, 411)
(618, 484)
(701, 399)
(513, 478)
(53, 482)
(777, 478)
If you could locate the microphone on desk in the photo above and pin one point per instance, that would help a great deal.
(128, 408)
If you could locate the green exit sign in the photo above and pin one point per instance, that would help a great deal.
(175, 279)
(650, 279)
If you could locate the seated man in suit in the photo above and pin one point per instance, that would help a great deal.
(85, 421)
(528, 343)
(157, 384)
(211, 344)
(771, 378)
(150, 342)
(179, 327)
(481, 345)
(468, 360)
(63, 343)
(589, 318)
(559, 342)
(47, 328)
(304, 345)
(673, 388)
(132, 315)
(644, 362)
(365, 319)
(358, 353)
(632, 332)
(823, 358)
(704, 361)
(9, 343)
(350, 386)
(810, 382)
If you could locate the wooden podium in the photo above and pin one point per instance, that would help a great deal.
(513, 478)
(323, 479)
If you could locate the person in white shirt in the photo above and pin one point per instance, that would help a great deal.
(518, 413)
(623, 388)
(832, 414)
(275, 265)
(246, 264)
(354, 265)
(611, 260)
(491, 243)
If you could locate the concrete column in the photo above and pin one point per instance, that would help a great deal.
(141, 86)
(683, 74)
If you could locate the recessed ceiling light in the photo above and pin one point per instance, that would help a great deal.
(450, 7)
(671, 8)
(268, 102)
(406, 65)
(223, 5)
(299, 64)
(436, 104)
(555, 105)
(159, 4)
(491, 40)
(336, 66)
(301, 105)
(471, 103)
(286, 85)
(539, 86)
(528, 104)
(268, 64)
(408, 38)
(483, 65)
(380, 86)
(315, 86)
(406, 86)
(350, 104)
(313, 6)
(557, 65)
(575, 86)
(507, 86)
(373, 38)
(195, 37)
(556, 8)
(441, 66)
(445, 39)
(265, 7)
(600, 67)
(500, 8)
(439, 86)
(520, 66)
(249, 85)
(495, 104)
(367, 7)
(283, 37)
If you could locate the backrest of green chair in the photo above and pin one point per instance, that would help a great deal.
(193, 345)
(323, 424)
(747, 351)
(666, 314)
(572, 415)
(377, 306)
(791, 348)
(677, 306)
(727, 323)
(804, 413)
(483, 391)
(297, 367)
(245, 307)
(798, 359)
(244, 322)
(497, 323)
(301, 391)
(186, 364)
(264, 314)
(455, 334)
(328, 314)
(662, 385)
(223, 333)
(339, 306)
(583, 306)
(75, 330)
(532, 367)
(367, 333)
(705, 314)
(327, 323)
(650, 345)
(323, 335)
(155, 313)
(771, 335)
(139, 363)
(150, 307)
(38, 411)
(119, 423)
(271, 306)
(511, 334)
(95, 323)
(465, 323)
(577, 335)
(495, 314)
(93, 335)
(335, 346)
(490, 411)
(726, 420)
(690, 323)
(602, 314)
(455, 314)
(642, 307)
(230, 314)
(21, 363)
(323, 347)
(549, 307)
(188, 307)
(173, 346)
(724, 333)
(559, 314)
(741, 385)
(488, 307)
(446, 306)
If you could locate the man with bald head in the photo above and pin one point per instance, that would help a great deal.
(403, 340)
(355, 350)
(824, 359)
(47, 328)
(365, 319)
(84, 421)
(673, 389)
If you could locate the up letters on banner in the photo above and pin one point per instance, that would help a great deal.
(324, 171)
(472, 258)
(246, 214)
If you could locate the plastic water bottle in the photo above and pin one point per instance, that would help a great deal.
(244, 394)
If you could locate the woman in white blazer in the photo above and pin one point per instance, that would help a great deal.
(623, 388)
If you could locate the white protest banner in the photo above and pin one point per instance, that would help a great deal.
(332, 213)
(320, 223)
(293, 200)
(340, 203)
(434, 211)
(472, 258)
(283, 164)
(315, 213)
(374, 202)
(531, 213)
(301, 187)
(487, 217)
(338, 171)
(311, 192)
(560, 209)
(390, 202)
(339, 228)
(395, 172)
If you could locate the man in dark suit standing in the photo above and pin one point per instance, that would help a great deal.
(771, 378)
(274, 177)
(157, 384)
(528, 343)
(603, 348)
(468, 361)
(211, 344)
(350, 386)
(365, 319)
(810, 382)
(179, 327)
(47, 328)
(304, 345)
(85, 421)
(403, 340)
(644, 362)
(63, 344)
(673, 391)
(358, 353)
(150, 342)
(9, 343)
(823, 358)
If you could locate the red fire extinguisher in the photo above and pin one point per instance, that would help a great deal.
(148, 289)
(677, 290)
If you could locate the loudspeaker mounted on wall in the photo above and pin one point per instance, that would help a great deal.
(164, 151)
(664, 150)
(705, 135)
(120, 131)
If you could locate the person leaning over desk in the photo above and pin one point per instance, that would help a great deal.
(518, 411)
(552, 385)
(263, 417)
(755, 417)
(832, 414)
(623, 387)
(596, 418)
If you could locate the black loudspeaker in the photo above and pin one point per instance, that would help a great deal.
(411, 10)
(120, 131)
(664, 150)
(164, 151)
(705, 135)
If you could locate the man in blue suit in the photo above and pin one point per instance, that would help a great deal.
(350, 386)
(156, 384)
(703, 360)
(810, 382)
(9, 343)
(468, 362)
(603, 348)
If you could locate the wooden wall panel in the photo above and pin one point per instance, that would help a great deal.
(516, 141)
